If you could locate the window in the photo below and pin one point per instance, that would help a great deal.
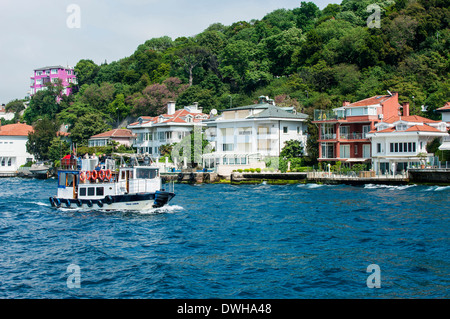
(285, 129)
(345, 151)
(100, 191)
(378, 147)
(228, 147)
(298, 130)
(403, 147)
(91, 191)
(344, 131)
(83, 191)
(54, 71)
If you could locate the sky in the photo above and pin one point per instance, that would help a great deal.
(36, 34)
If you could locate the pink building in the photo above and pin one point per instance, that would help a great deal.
(51, 74)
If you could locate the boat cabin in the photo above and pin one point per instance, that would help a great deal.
(95, 183)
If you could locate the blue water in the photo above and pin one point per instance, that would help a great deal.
(225, 241)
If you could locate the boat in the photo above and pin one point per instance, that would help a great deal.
(40, 170)
(104, 186)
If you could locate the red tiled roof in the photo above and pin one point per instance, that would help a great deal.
(115, 133)
(18, 129)
(374, 100)
(177, 117)
(423, 128)
(411, 118)
(446, 107)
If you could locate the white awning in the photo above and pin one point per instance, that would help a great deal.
(445, 146)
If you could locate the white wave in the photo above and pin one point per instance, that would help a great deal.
(313, 186)
(160, 210)
(437, 188)
(381, 186)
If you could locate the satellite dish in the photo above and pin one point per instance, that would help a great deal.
(389, 92)
(424, 108)
(214, 112)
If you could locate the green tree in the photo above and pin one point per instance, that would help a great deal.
(292, 149)
(190, 57)
(41, 138)
(87, 126)
(58, 148)
(86, 71)
(44, 104)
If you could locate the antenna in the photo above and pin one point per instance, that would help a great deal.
(389, 92)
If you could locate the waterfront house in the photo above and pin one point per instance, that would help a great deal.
(243, 136)
(165, 129)
(52, 74)
(13, 150)
(445, 111)
(5, 115)
(343, 131)
(122, 136)
(399, 142)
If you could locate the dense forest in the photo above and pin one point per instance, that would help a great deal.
(304, 57)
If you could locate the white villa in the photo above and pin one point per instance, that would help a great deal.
(121, 136)
(13, 150)
(154, 132)
(243, 136)
(400, 141)
(445, 110)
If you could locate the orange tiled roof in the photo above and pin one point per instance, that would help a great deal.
(411, 118)
(18, 129)
(446, 107)
(174, 118)
(115, 133)
(374, 100)
(422, 128)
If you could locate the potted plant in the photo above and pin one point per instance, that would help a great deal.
(422, 156)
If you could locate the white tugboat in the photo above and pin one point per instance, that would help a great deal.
(107, 188)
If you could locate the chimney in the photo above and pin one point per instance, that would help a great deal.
(171, 108)
(406, 109)
(196, 105)
(346, 103)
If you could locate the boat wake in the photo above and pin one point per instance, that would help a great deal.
(167, 209)
(437, 188)
(380, 186)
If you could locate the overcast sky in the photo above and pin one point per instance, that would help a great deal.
(35, 34)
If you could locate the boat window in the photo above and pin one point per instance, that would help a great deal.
(100, 191)
(69, 179)
(91, 191)
(146, 173)
(82, 191)
(62, 179)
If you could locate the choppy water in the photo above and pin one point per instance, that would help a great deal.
(225, 241)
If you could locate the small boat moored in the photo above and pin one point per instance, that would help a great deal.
(107, 188)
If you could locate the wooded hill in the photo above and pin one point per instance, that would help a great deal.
(305, 57)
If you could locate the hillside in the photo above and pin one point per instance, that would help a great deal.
(305, 57)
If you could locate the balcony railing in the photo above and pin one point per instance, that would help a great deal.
(353, 136)
(322, 115)
(328, 136)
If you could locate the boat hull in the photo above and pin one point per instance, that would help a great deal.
(134, 202)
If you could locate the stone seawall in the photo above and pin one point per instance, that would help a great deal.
(431, 176)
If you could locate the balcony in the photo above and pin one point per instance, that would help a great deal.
(353, 136)
(322, 115)
(327, 137)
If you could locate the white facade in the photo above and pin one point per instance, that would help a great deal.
(243, 136)
(401, 143)
(13, 153)
(154, 132)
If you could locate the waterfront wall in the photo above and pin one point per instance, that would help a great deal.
(432, 176)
